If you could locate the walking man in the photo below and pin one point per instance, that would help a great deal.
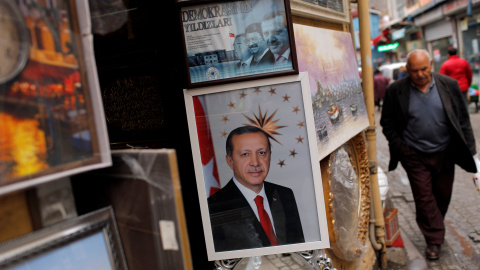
(427, 125)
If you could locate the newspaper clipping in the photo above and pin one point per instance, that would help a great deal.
(235, 39)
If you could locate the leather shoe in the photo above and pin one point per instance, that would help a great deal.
(432, 252)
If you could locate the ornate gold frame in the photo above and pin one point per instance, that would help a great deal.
(359, 160)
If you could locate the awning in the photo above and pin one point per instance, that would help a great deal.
(426, 7)
(397, 23)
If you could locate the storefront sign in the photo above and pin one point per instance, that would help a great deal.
(387, 47)
(414, 44)
(398, 34)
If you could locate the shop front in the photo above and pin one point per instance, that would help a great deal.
(158, 96)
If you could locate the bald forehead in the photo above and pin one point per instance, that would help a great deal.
(416, 58)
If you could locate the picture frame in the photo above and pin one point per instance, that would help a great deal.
(90, 241)
(338, 103)
(52, 112)
(336, 11)
(281, 107)
(143, 186)
(231, 41)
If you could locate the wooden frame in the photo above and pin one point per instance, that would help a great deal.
(93, 236)
(52, 116)
(211, 29)
(326, 10)
(282, 107)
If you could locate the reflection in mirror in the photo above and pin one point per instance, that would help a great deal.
(344, 186)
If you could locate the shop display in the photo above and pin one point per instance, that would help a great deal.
(347, 190)
(143, 186)
(325, 10)
(86, 242)
(50, 106)
(230, 41)
(337, 97)
(306, 260)
(51, 203)
(281, 108)
(14, 209)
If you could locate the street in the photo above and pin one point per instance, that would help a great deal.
(461, 249)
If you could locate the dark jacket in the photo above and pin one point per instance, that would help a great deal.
(235, 226)
(380, 84)
(395, 116)
(267, 59)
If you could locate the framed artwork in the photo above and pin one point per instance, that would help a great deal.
(51, 111)
(338, 103)
(257, 138)
(230, 41)
(329, 10)
(143, 186)
(346, 174)
(86, 242)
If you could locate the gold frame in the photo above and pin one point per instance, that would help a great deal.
(359, 160)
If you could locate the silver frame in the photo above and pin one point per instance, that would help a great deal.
(61, 234)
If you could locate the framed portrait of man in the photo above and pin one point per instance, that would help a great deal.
(229, 41)
(257, 172)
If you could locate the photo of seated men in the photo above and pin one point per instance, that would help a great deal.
(249, 212)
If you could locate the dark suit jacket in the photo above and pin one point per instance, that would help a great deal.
(395, 116)
(267, 58)
(235, 226)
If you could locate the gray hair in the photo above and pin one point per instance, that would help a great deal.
(422, 51)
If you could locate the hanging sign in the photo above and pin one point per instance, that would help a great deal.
(387, 47)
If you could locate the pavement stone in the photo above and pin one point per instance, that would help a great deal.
(461, 249)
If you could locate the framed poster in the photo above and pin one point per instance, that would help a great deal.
(86, 242)
(237, 40)
(338, 103)
(257, 138)
(51, 111)
(328, 10)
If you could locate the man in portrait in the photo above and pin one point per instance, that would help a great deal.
(275, 33)
(241, 51)
(257, 45)
(249, 212)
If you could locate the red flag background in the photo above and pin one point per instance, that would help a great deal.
(210, 171)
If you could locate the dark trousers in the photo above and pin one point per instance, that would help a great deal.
(431, 179)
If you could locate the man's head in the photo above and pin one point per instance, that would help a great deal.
(452, 51)
(248, 155)
(419, 67)
(254, 39)
(274, 27)
(240, 48)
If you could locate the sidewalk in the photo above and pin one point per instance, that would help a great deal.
(461, 249)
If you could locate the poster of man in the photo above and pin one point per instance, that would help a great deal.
(216, 35)
(256, 165)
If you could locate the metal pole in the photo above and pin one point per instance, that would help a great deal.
(371, 136)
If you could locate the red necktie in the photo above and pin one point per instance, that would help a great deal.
(265, 221)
